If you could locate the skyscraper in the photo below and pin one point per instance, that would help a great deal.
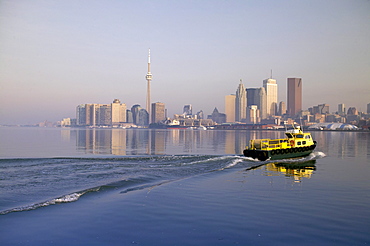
(294, 96)
(257, 96)
(188, 110)
(271, 96)
(148, 79)
(282, 108)
(158, 112)
(341, 109)
(230, 108)
(241, 103)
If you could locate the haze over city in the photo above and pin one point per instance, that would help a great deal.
(55, 55)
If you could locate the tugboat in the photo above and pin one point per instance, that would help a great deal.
(296, 144)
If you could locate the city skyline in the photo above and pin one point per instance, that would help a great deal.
(56, 55)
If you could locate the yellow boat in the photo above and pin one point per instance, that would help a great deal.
(296, 144)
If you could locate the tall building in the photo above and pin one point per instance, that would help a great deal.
(253, 114)
(341, 109)
(188, 110)
(101, 114)
(282, 108)
(240, 103)
(158, 112)
(257, 96)
(294, 96)
(368, 108)
(118, 112)
(148, 79)
(270, 86)
(230, 108)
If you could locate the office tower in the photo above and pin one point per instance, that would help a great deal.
(188, 110)
(129, 117)
(104, 115)
(282, 108)
(368, 108)
(140, 116)
(148, 79)
(118, 112)
(81, 115)
(271, 96)
(158, 112)
(101, 114)
(341, 109)
(352, 111)
(230, 108)
(253, 116)
(257, 96)
(240, 103)
(294, 96)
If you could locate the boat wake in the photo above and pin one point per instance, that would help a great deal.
(135, 173)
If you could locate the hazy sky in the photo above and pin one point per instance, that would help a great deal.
(55, 55)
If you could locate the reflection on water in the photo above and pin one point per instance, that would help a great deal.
(159, 141)
(183, 141)
(296, 171)
(343, 144)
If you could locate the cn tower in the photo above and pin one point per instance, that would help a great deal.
(149, 79)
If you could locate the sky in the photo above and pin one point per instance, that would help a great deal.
(55, 55)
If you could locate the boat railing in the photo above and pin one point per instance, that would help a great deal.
(268, 144)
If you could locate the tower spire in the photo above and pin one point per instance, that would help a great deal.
(148, 79)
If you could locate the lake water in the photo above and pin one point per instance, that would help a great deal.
(61, 186)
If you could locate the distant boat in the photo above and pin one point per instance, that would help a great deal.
(201, 128)
(296, 144)
(168, 124)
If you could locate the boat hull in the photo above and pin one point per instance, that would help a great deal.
(278, 154)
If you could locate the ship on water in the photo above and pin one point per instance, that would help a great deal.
(295, 144)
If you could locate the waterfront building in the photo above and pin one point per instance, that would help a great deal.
(148, 79)
(271, 89)
(81, 115)
(294, 96)
(140, 116)
(240, 103)
(118, 111)
(230, 108)
(101, 114)
(158, 112)
(257, 96)
(129, 117)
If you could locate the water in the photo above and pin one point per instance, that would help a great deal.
(179, 187)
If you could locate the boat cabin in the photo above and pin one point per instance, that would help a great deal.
(294, 139)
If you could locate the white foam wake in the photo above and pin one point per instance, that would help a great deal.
(63, 199)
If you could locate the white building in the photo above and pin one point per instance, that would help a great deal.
(240, 103)
(271, 96)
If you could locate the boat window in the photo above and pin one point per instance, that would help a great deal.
(303, 142)
(274, 142)
(289, 135)
(299, 143)
(307, 137)
(299, 136)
